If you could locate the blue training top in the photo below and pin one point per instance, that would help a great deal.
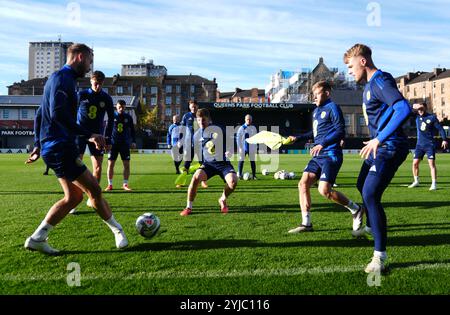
(92, 109)
(123, 130)
(426, 125)
(55, 120)
(385, 109)
(328, 128)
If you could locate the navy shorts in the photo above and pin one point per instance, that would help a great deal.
(83, 142)
(221, 168)
(123, 149)
(326, 167)
(421, 151)
(64, 160)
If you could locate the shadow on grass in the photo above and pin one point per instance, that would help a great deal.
(419, 240)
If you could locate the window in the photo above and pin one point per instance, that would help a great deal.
(168, 111)
(192, 89)
(442, 101)
(178, 89)
(6, 114)
(168, 89)
(144, 90)
(178, 100)
(442, 88)
(119, 89)
(178, 110)
(423, 85)
(415, 92)
(154, 90)
(153, 101)
(362, 121)
(24, 114)
(407, 89)
(144, 100)
(168, 100)
(347, 119)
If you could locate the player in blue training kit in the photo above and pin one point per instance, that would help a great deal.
(188, 128)
(174, 143)
(244, 148)
(93, 104)
(209, 141)
(328, 132)
(426, 125)
(385, 111)
(55, 131)
(123, 136)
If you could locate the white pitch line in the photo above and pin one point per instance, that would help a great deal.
(174, 274)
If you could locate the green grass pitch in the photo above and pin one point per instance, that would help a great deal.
(247, 251)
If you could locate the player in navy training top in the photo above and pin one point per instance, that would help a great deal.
(188, 127)
(385, 111)
(93, 104)
(328, 132)
(426, 125)
(123, 136)
(55, 129)
(244, 148)
(209, 142)
(174, 143)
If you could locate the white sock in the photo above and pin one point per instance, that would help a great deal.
(416, 179)
(353, 207)
(368, 229)
(433, 183)
(306, 218)
(382, 255)
(110, 181)
(42, 231)
(189, 204)
(223, 197)
(125, 181)
(113, 224)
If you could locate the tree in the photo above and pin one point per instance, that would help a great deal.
(149, 119)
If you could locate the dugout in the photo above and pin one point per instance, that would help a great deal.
(291, 118)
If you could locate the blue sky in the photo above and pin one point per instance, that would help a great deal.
(241, 43)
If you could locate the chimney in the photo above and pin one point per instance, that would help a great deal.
(254, 94)
(437, 71)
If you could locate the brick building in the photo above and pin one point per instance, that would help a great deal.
(253, 95)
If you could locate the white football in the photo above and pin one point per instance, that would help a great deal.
(246, 176)
(148, 225)
(283, 175)
(265, 172)
(276, 175)
(291, 175)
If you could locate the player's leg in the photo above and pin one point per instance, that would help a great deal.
(379, 176)
(125, 156)
(89, 184)
(72, 197)
(330, 166)
(418, 156)
(433, 171)
(231, 180)
(304, 194)
(241, 164)
(199, 175)
(97, 161)
(364, 171)
(112, 157)
(252, 158)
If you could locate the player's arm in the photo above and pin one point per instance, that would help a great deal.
(132, 132)
(441, 130)
(301, 136)
(110, 124)
(36, 153)
(60, 113)
(388, 93)
(169, 136)
(338, 133)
